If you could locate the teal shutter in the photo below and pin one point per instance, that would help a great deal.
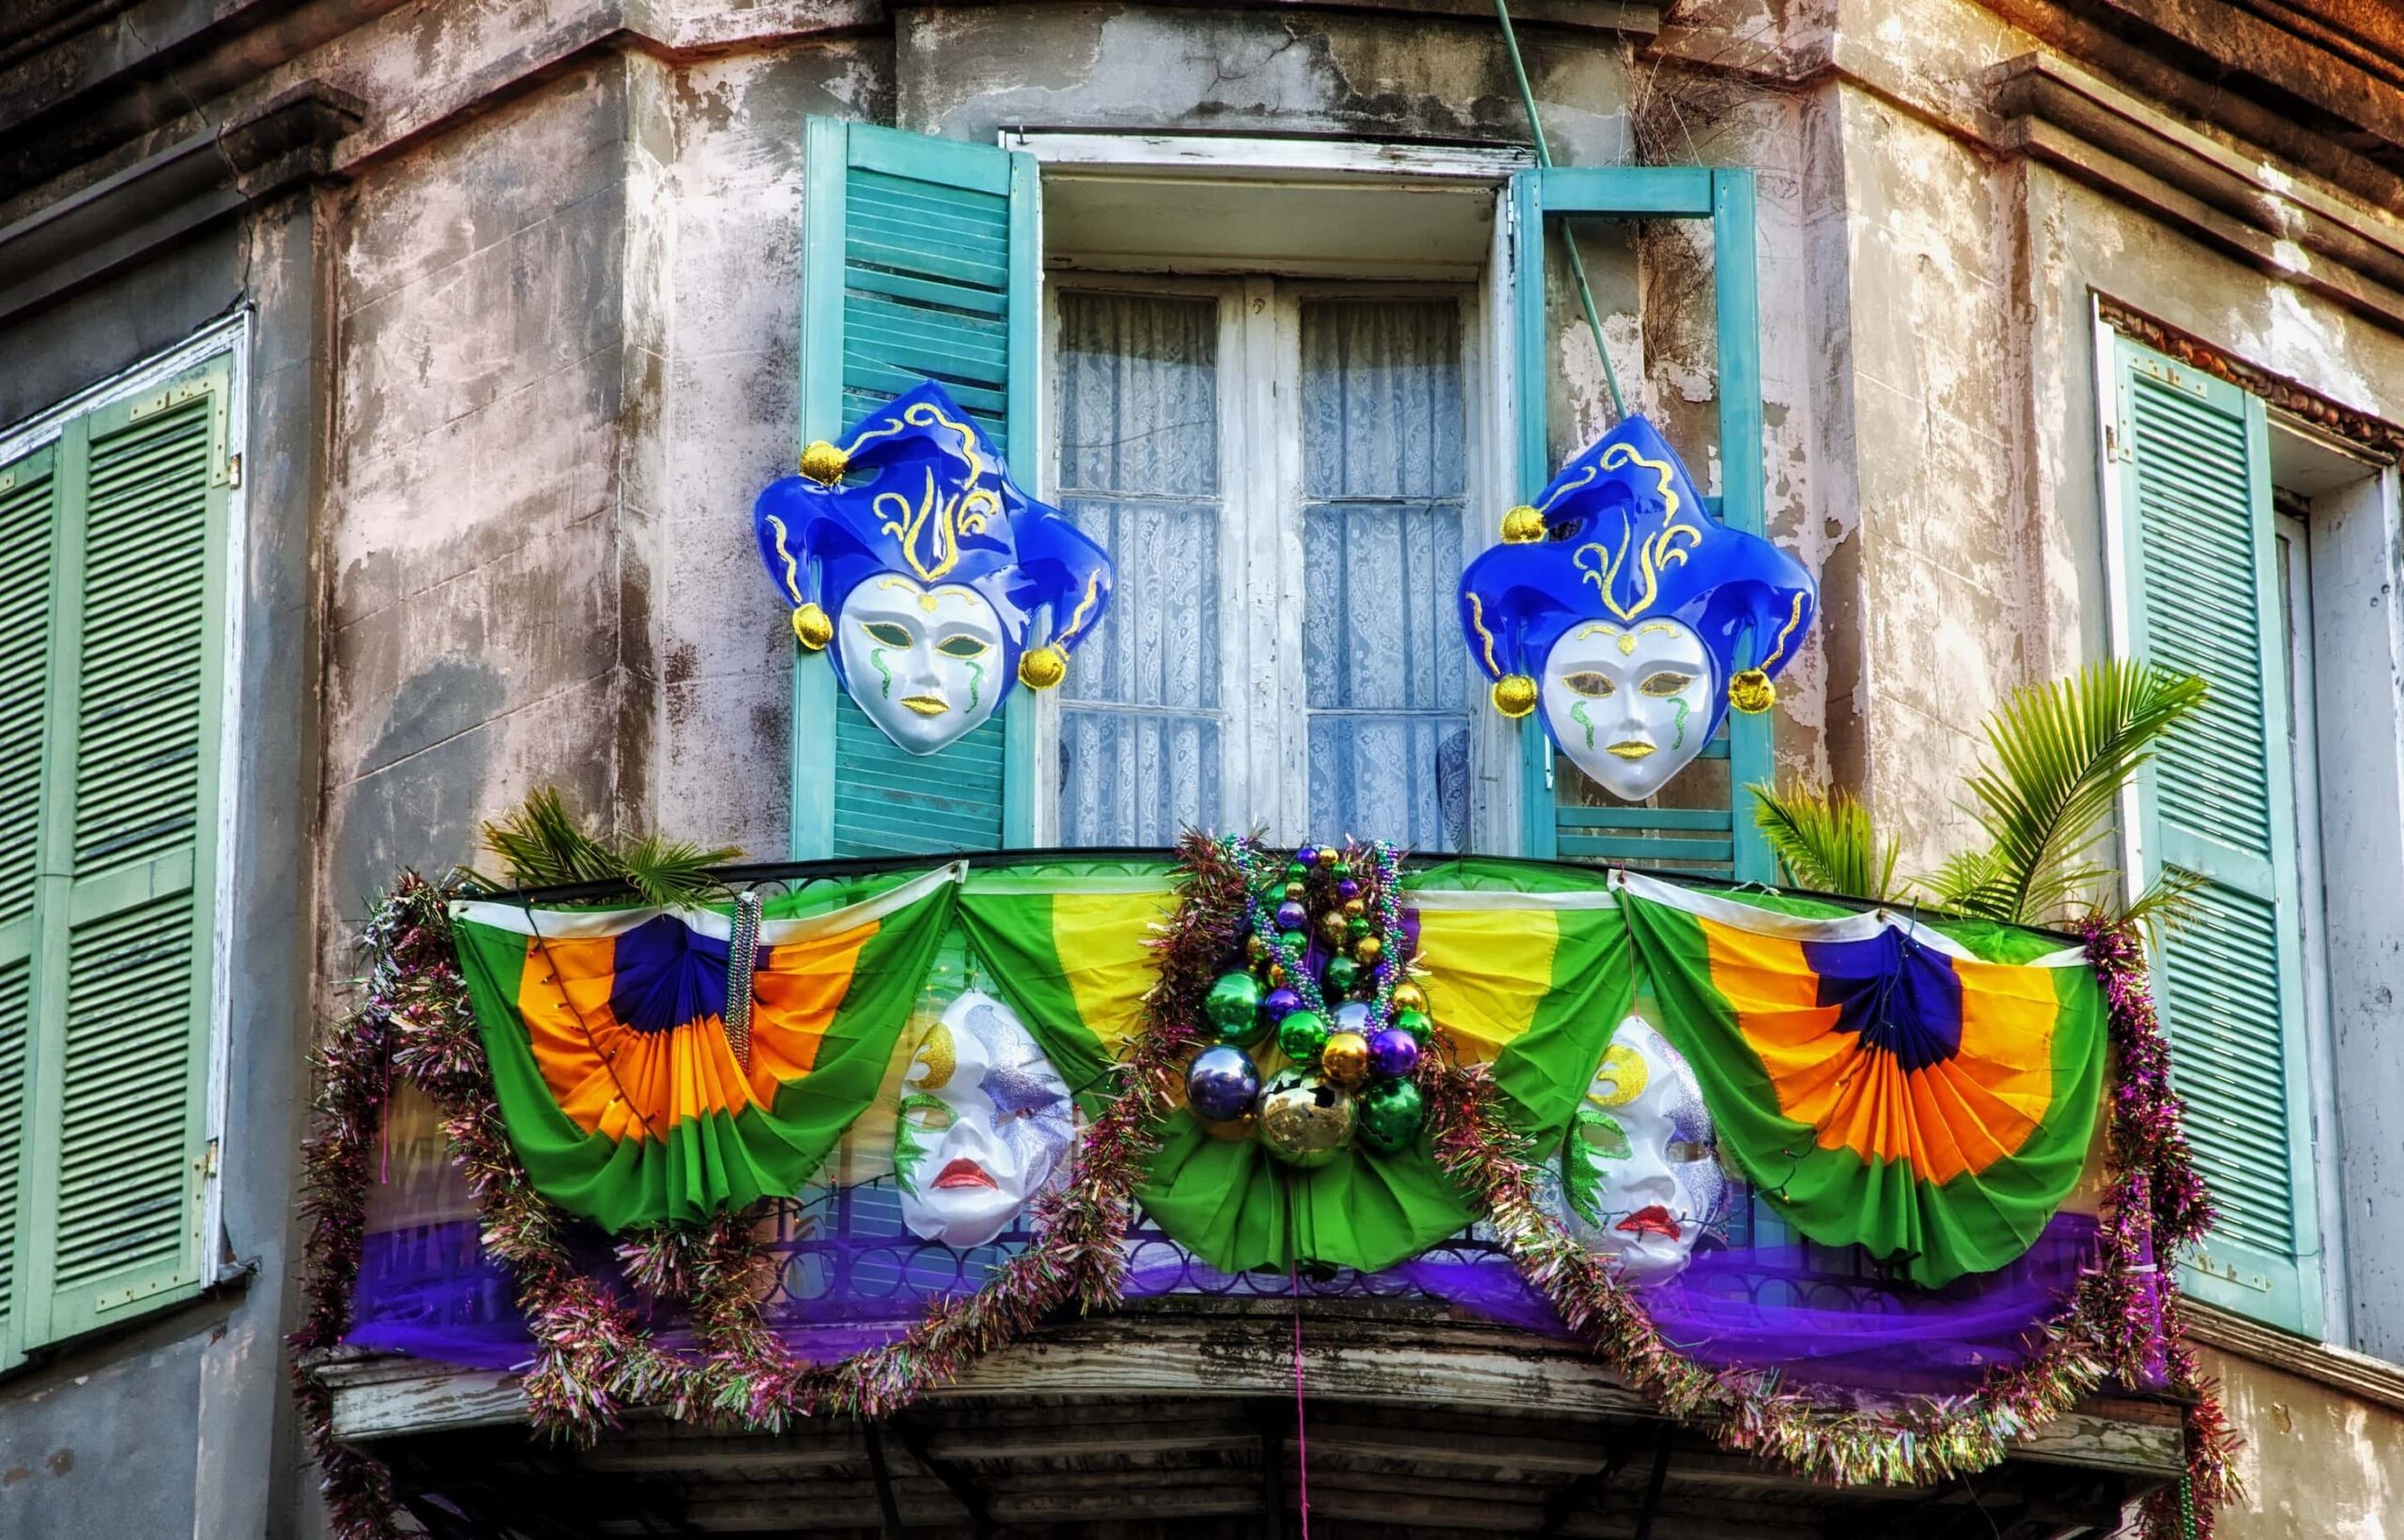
(1714, 840)
(110, 619)
(2218, 803)
(28, 502)
(920, 260)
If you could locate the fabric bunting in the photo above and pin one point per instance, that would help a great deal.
(1879, 1081)
(610, 1063)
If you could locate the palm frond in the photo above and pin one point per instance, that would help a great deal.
(2165, 906)
(1970, 883)
(2060, 755)
(1825, 840)
(540, 845)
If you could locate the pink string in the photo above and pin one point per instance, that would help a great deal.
(1302, 1441)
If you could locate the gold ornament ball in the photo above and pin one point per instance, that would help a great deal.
(1752, 692)
(1277, 974)
(1234, 1129)
(811, 628)
(1408, 996)
(824, 462)
(1354, 908)
(1255, 949)
(1515, 696)
(1346, 1058)
(1367, 949)
(1043, 668)
(1331, 925)
(1328, 855)
(1295, 891)
(1522, 526)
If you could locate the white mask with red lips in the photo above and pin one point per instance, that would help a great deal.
(1639, 1180)
(984, 1122)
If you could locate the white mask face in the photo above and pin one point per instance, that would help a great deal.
(1636, 1171)
(1629, 704)
(924, 664)
(985, 1120)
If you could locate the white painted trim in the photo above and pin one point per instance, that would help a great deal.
(225, 336)
(2119, 624)
(232, 338)
(1248, 158)
(1860, 925)
(1457, 900)
(600, 924)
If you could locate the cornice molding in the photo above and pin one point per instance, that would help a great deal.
(121, 219)
(2054, 112)
(2342, 1369)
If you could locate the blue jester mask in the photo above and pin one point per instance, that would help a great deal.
(1620, 608)
(911, 553)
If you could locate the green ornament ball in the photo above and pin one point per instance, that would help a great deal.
(1296, 871)
(1232, 1000)
(1342, 975)
(1357, 926)
(1416, 1024)
(1233, 1007)
(1301, 1034)
(1293, 941)
(1389, 1115)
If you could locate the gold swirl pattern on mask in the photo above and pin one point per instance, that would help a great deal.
(1623, 1067)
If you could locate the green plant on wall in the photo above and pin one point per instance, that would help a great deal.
(540, 845)
(2057, 756)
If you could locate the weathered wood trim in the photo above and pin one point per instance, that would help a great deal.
(2372, 1379)
(1249, 1353)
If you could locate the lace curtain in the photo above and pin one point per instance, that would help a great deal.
(1147, 711)
(1141, 715)
(1385, 676)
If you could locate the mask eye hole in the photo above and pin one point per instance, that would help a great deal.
(1588, 683)
(1603, 1136)
(887, 633)
(1688, 1152)
(926, 1113)
(1668, 682)
(962, 647)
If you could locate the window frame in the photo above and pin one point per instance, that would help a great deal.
(227, 340)
(1265, 772)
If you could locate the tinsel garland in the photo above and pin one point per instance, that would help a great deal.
(594, 1356)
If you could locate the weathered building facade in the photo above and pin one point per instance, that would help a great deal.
(491, 319)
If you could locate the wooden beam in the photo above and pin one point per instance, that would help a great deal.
(1200, 1357)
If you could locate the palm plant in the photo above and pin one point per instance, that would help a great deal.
(2059, 755)
(542, 845)
(1825, 840)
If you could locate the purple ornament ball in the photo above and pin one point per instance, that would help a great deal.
(1291, 916)
(1347, 888)
(1393, 1054)
(1222, 1084)
(1280, 1004)
(1307, 855)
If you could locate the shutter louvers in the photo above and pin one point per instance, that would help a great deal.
(26, 510)
(2217, 803)
(15, 1019)
(918, 263)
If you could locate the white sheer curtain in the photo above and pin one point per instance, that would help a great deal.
(1385, 674)
(1142, 712)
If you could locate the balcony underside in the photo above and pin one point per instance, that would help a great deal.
(1178, 1419)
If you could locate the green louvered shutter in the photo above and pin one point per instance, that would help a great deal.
(1713, 834)
(2197, 542)
(28, 508)
(919, 261)
(116, 1176)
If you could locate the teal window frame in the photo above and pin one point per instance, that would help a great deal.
(1725, 196)
(2284, 1289)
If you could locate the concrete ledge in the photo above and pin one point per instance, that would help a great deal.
(2359, 1375)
